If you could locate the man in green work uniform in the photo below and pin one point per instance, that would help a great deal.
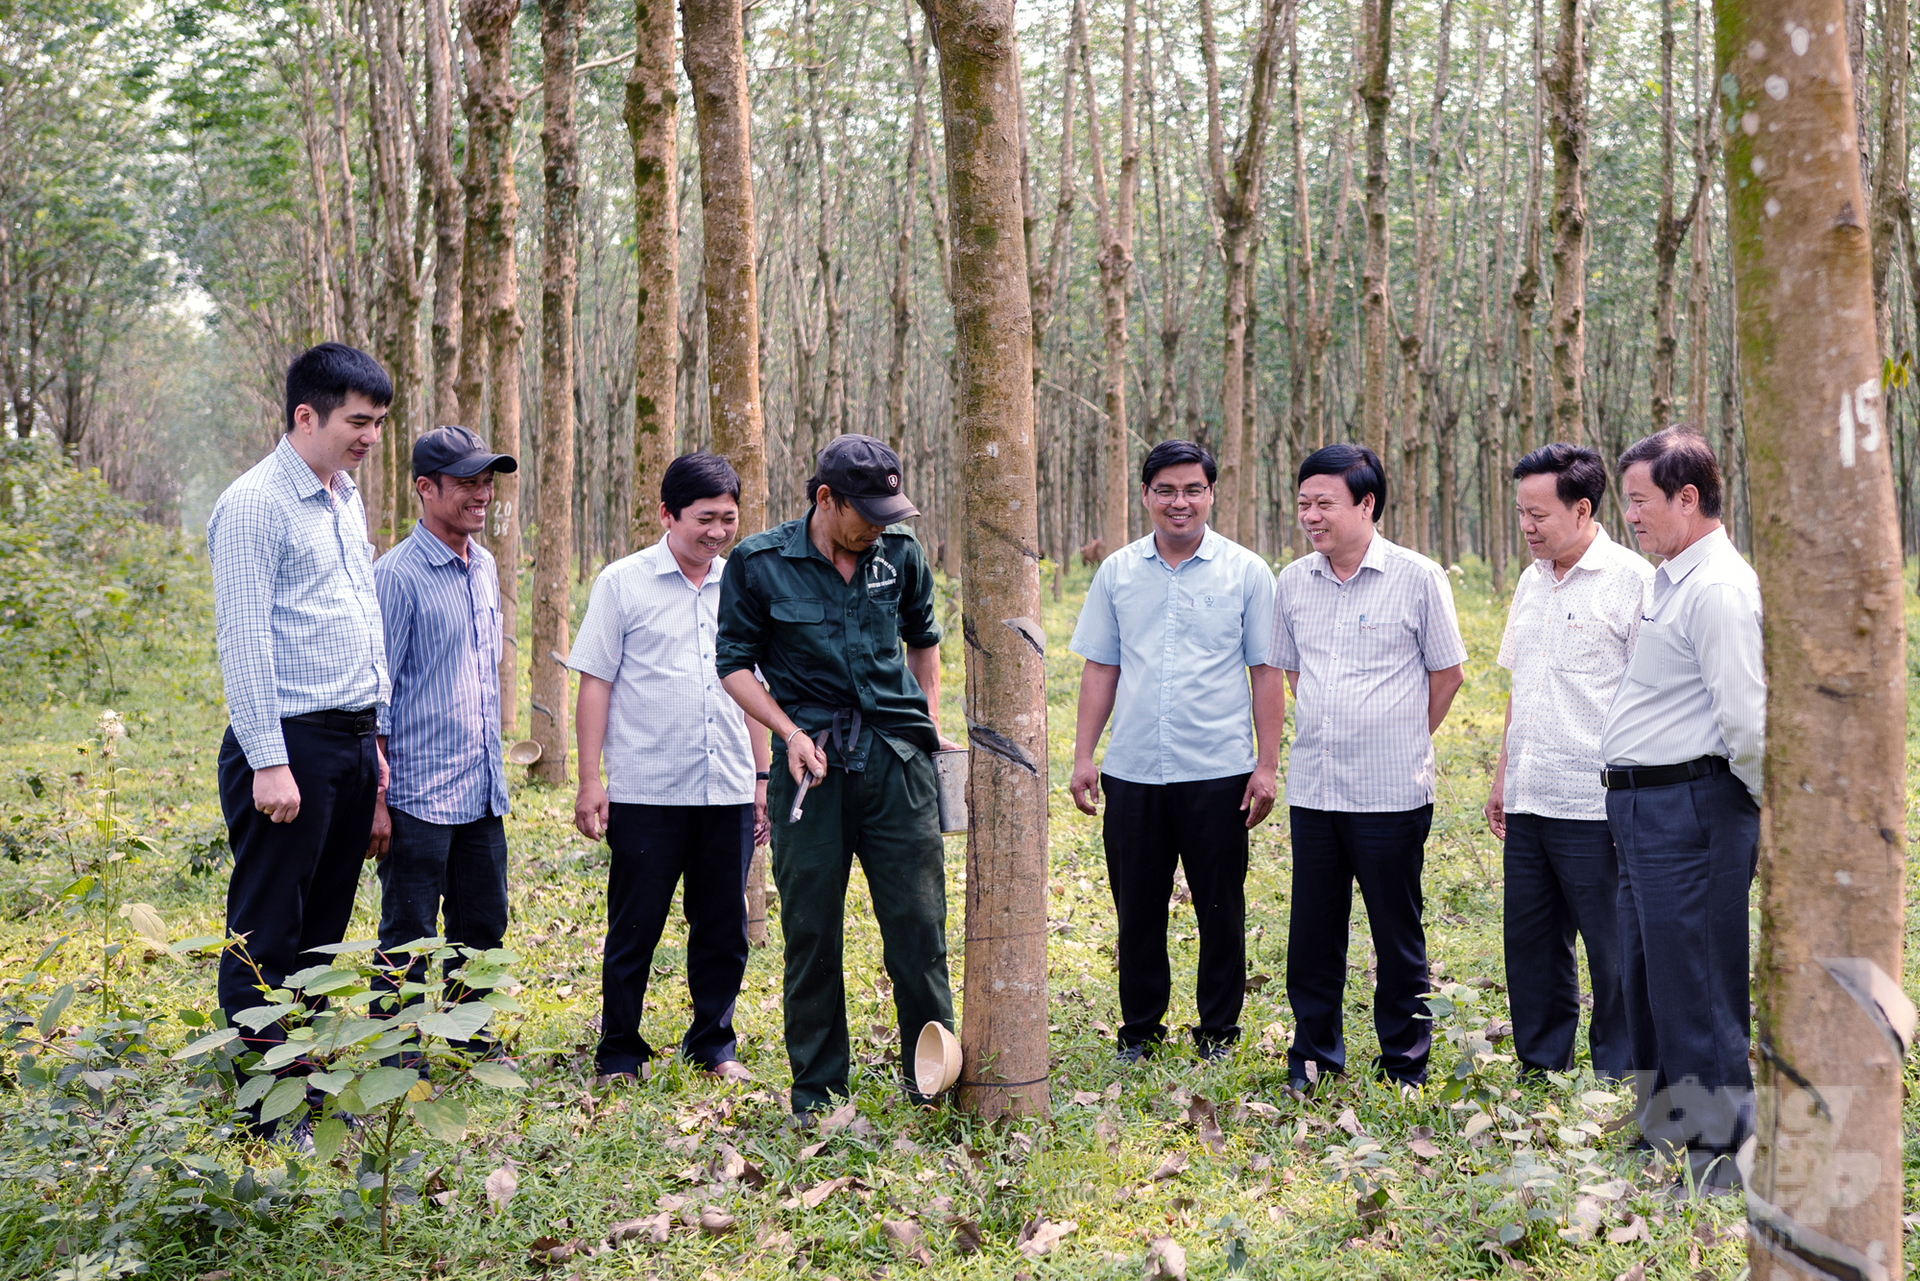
(822, 605)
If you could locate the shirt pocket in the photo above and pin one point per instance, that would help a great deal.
(1661, 661)
(1582, 644)
(1215, 622)
(798, 609)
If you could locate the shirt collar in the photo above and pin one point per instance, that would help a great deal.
(1209, 544)
(664, 563)
(1376, 559)
(1590, 560)
(799, 545)
(1676, 568)
(301, 476)
(436, 552)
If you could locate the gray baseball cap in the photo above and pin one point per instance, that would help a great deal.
(456, 451)
(867, 474)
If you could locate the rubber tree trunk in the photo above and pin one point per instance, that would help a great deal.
(1526, 280)
(716, 62)
(653, 126)
(436, 153)
(492, 103)
(1567, 101)
(559, 271)
(1376, 93)
(1832, 1024)
(1004, 1032)
(1114, 231)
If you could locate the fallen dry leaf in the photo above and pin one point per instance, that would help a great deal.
(907, 1241)
(1635, 1229)
(838, 1119)
(1260, 1161)
(819, 1192)
(716, 1222)
(1111, 1092)
(1349, 1122)
(1206, 1123)
(906, 1145)
(669, 1202)
(737, 1169)
(1169, 1167)
(1475, 1123)
(221, 1275)
(1421, 1143)
(551, 1250)
(1638, 1272)
(772, 1238)
(1166, 1260)
(812, 1149)
(1254, 1107)
(967, 1236)
(685, 1143)
(1085, 1098)
(501, 1188)
(1108, 1133)
(1041, 1235)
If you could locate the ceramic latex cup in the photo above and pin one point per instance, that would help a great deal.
(936, 1060)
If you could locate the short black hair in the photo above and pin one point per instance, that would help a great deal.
(1580, 472)
(1357, 465)
(324, 376)
(691, 477)
(1676, 458)
(1175, 453)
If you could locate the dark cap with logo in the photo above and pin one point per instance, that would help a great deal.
(867, 474)
(456, 451)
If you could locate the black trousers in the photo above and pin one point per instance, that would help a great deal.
(1688, 852)
(1562, 879)
(455, 869)
(293, 883)
(654, 847)
(1150, 827)
(1385, 853)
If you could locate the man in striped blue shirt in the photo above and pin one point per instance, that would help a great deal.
(298, 630)
(441, 732)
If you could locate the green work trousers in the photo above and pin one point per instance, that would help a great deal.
(887, 815)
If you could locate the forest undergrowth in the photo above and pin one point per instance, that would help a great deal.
(121, 1153)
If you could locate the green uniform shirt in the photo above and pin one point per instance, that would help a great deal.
(823, 643)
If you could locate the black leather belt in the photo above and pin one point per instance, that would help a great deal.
(1664, 775)
(363, 722)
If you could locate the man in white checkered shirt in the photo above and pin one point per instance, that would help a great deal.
(1365, 631)
(1575, 614)
(305, 670)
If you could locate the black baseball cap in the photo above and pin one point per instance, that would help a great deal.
(866, 473)
(457, 452)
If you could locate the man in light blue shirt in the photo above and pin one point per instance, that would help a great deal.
(441, 732)
(1174, 631)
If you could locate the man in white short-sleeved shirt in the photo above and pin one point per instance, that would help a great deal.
(1366, 632)
(1570, 629)
(681, 799)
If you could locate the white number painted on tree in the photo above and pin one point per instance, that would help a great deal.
(1859, 409)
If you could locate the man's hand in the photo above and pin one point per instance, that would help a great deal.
(380, 754)
(1262, 787)
(948, 745)
(1496, 812)
(1085, 786)
(381, 839)
(804, 758)
(591, 808)
(276, 795)
(762, 825)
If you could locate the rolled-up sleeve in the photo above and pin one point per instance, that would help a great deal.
(742, 641)
(919, 624)
(1096, 636)
(1725, 629)
(246, 544)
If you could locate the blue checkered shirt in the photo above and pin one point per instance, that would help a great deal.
(295, 616)
(443, 641)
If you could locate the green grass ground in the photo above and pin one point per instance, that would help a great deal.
(1212, 1157)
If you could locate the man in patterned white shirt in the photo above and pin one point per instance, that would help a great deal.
(686, 791)
(1365, 631)
(1570, 630)
(305, 670)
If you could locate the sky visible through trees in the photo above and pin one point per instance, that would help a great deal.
(1450, 229)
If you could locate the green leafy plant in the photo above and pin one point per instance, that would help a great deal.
(1362, 1164)
(373, 1015)
(1455, 1012)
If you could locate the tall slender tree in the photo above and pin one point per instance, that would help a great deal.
(436, 155)
(1415, 407)
(1832, 1024)
(492, 103)
(1670, 230)
(1566, 86)
(1376, 95)
(1235, 189)
(1004, 1032)
(1114, 219)
(652, 117)
(1526, 279)
(559, 269)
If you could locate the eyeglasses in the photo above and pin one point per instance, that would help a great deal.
(1165, 494)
